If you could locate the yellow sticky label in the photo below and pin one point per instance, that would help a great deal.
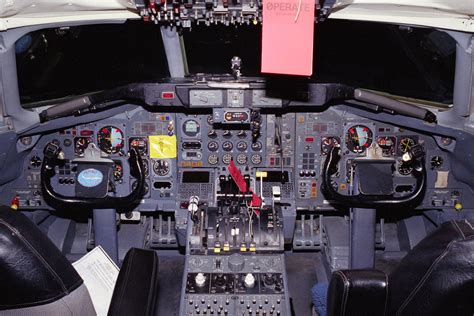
(162, 146)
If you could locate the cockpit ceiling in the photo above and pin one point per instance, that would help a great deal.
(445, 14)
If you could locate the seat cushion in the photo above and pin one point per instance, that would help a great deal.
(32, 270)
(437, 276)
(76, 303)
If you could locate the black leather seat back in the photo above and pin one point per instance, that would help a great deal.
(32, 270)
(352, 291)
(136, 290)
(437, 276)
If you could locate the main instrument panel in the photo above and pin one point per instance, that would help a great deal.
(185, 154)
(234, 185)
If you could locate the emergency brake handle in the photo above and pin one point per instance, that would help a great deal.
(369, 200)
(52, 157)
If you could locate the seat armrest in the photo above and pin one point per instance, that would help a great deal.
(136, 289)
(357, 292)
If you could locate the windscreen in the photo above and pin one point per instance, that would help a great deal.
(410, 62)
(61, 62)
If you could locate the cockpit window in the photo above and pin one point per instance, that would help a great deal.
(57, 63)
(410, 62)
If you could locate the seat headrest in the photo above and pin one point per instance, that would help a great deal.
(32, 269)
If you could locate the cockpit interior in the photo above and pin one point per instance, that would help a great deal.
(150, 134)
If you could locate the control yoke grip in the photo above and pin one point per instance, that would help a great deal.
(47, 172)
(370, 201)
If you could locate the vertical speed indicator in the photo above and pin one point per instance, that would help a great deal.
(358, 138)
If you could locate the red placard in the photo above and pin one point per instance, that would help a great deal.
(287, 37)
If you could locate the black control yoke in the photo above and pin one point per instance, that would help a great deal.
(51, 158)
(372, 201)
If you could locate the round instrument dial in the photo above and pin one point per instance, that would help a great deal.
(405, 168)
(140, 144)
(213, 159)
(213, 146)
(210, 120)
(241, 146)
(80, 144)
(256, 159)
(227, 158)
(256, 146)
(161, 167)
(436, 162)
(191, 128)
(241, 159)
(406, 144)
(327, 143)
(227, 146)
(358, 138)
(110, 139)
(35, 161)
(387, 144)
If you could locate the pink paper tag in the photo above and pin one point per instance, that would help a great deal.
(287, 37)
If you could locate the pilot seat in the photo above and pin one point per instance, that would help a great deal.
(435, 278)
(37, 279)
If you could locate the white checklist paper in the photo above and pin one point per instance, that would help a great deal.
(100, 274)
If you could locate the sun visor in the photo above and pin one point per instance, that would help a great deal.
(287, 37)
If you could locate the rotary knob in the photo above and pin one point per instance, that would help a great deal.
(249, 280)
(200, 280)
(236, 262)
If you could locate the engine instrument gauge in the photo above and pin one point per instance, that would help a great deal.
(406, 144)
(140, 144)
(227, 158)
(210, 120)
(358, 138)
(387, 143)
(80, 144)
(213, 146)
(110, 139)
(241, 146)
(404, 168)
(327, 143)
(256, 159)
(241, 159)
(213, 159)
(227, 146)
(191, 128)
(161, 167)
(256, 146)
